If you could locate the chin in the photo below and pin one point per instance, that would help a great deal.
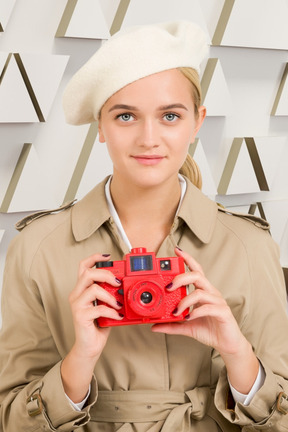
(149, 180)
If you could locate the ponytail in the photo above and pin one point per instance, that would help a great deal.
(191, 170)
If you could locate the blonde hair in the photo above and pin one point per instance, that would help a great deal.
(190, 168)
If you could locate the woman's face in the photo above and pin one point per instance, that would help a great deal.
(148, 127)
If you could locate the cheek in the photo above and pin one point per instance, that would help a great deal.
(183, 138)
(116, 150)
(111, 150)
(106, 136)
(181, 146)
(114, 135)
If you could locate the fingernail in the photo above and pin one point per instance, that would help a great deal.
(121, 315)
(119, 304)
(169, 286)
(186, 317)
(106, 255)
(175, 311)
(177, 247)
(118, 280)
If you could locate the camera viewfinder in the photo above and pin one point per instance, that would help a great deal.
(141, 263)
(103, 264)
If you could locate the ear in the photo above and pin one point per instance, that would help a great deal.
(198, 122)
(201, 117)
(100, 133)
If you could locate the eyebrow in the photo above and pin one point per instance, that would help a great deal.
(123, 106)
(161, 108)
(174, 105)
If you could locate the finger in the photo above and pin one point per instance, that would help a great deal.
(220, 312)
(85, 318)
(94, 313)
(96, 292)
(196, 299)
(90, 261)
(193, 278)
(92, 275)
(176, 328)
(189, 261)
(197, 276)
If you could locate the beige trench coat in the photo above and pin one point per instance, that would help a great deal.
(143, 381)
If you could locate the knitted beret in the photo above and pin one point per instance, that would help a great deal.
(129, 55)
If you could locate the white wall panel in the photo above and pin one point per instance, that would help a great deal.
(270, 150)
(29, 188)
(151, 11)
(277, 214)
(98, 166)
(84, 19)
(15, 102)
(6, 7)
(216, 96)
(45, 73)
(109, 8)
(257, 24)
(208, 185)
(280, 106)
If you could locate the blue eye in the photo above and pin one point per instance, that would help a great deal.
(125, 117)
(170, 117)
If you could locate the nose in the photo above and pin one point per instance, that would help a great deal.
(149, 134)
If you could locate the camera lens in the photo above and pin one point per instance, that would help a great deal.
(146, 297)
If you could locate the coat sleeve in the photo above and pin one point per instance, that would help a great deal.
(31, 392)
(266, 327)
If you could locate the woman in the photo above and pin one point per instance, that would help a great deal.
(222, 368)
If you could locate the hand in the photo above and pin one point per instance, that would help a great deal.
(212, 323)
(210, 320)
(78, 366)
(90, 339)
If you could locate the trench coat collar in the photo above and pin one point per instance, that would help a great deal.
(197, 211)
(89, 214)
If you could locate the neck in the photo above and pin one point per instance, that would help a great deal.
(146, 214)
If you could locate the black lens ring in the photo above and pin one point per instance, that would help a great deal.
(146, 297)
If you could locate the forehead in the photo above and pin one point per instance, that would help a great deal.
(165, 87)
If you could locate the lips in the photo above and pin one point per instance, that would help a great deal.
(148, 159)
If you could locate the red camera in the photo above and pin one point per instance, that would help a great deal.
(143, 294)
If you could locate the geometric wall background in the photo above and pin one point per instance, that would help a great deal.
(242, 148)
(6, 8)
(280, 106)
(252, 165)
(257, 24)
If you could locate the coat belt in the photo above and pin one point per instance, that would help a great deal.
(150, 406)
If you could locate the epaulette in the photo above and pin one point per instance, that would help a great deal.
(32, 217)
(258, 221)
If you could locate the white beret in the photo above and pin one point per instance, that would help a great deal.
(129, 55)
